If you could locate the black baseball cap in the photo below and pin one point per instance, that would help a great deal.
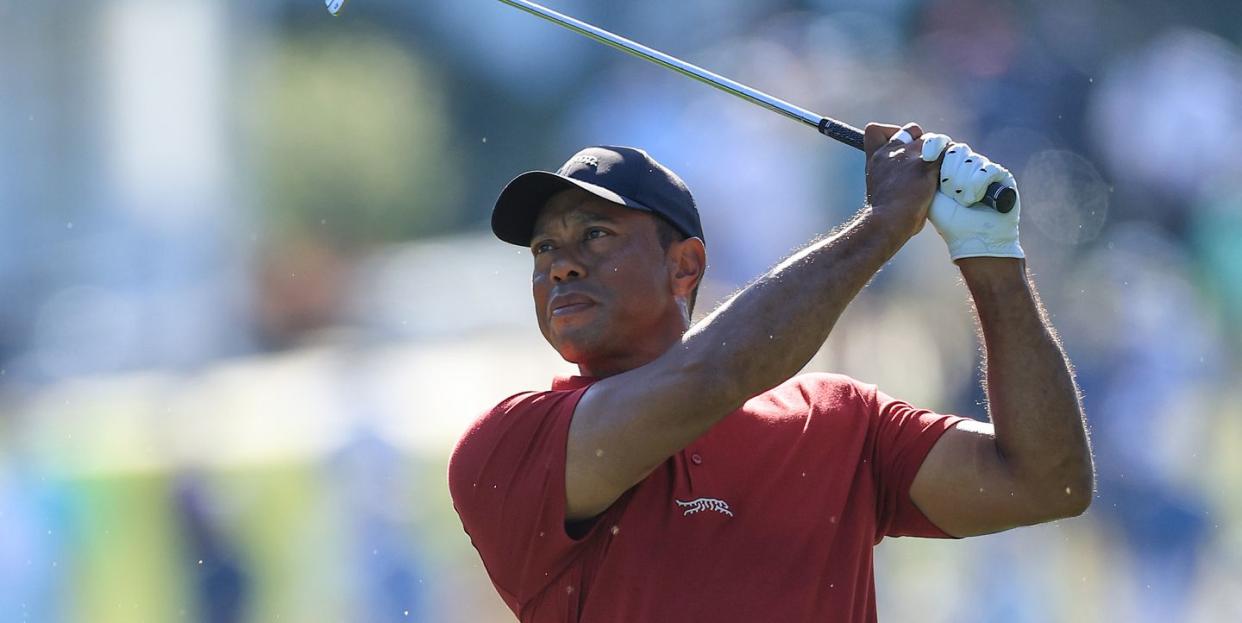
(624, 175)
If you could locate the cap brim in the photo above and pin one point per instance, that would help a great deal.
(517, 207)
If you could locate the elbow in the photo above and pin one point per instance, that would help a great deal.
(1063, 486)
(1079, 478)
(1076, 502)
(1060, 493)
(1080, 497)
(1070, 495)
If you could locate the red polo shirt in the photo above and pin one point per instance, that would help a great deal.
(771, 515)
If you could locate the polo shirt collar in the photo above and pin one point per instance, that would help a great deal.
(571, 382)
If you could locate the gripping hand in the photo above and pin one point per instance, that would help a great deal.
(969, 228)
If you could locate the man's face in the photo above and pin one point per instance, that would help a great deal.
(601, 283)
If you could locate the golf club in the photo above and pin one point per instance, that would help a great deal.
(997, 196)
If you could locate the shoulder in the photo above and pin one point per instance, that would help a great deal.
(820, 396)
(504, 410)
(495, 417)
(509, 430)
(826, 389)
(521, 410)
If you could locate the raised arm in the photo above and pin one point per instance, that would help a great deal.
(1032, 463)
(626, 425)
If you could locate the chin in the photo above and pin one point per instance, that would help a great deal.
(575, 347)
(571, 352)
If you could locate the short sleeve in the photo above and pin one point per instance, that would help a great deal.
(507, 480)
(904, 435)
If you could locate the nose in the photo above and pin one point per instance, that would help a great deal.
(565, 266)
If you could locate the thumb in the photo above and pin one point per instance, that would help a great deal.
(933, 146)
(875, 135)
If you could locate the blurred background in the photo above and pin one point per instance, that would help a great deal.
(250, 299)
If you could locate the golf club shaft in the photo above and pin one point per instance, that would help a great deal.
(997, 196)
(845, 133)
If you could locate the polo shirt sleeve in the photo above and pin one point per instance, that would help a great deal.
(903, 435)
(507, 480)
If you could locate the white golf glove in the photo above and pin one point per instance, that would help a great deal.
(970, 228)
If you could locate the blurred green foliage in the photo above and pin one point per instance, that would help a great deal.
(351, 140)
(127, 560)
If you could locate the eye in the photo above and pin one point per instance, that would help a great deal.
(595, 232)
(541, 247)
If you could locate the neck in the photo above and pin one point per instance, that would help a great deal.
(612, 366)
(636, 355)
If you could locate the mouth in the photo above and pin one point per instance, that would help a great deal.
(570, 308)
(568, 304)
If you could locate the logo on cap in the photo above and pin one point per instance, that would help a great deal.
(590, 161)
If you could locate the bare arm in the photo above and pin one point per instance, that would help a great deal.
(627, 424)
(1033, 462)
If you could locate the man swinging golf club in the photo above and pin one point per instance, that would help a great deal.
(687, 474)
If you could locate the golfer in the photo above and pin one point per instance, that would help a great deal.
(690, 473)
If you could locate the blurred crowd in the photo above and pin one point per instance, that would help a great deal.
(250, 297)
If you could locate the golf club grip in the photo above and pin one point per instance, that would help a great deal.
(998, 196)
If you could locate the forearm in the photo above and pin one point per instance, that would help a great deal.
(772, 328)
(1032, 399)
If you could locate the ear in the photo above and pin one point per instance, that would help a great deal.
(686, 259)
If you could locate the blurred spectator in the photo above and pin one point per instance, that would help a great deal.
(221, 584)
